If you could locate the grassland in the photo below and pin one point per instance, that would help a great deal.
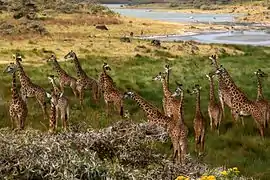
(133, 66)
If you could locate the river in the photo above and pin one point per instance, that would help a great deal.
(250, 37)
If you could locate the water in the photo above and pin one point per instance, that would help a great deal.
(237, 37)
(172, 16)
(231, 37)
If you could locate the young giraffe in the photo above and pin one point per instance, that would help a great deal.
(240, 103)
(180, 142)
(62, 103)
(260, 98)
(166, 90)
(64, 78)
(18, 109)
(214, 107)
(29, 89)
(84, 82)
(111, 93)
(52, 121)
(170, 103)
(104, 75)
(199, 122)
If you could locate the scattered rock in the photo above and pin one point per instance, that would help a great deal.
(156, 43)
(125, 39)
(102, 27)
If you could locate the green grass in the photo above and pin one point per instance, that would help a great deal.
(236, 146)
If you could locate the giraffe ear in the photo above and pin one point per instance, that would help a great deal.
(62, 93)
(48, 95)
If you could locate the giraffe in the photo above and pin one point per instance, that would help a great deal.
(214, 107)
(104, 75)
(154, 116)
(241, 105)
(61, 103)
(29, 89)
(170, 103)
(111, 93)
(53, 118)
(180, 142)
(198, 122)
(260, 98)
(223, 91)
(18, 108)
(84, 82)
(64, 78)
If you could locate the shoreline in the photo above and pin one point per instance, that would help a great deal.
(255, 12)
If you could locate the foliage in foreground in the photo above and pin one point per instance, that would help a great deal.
(122, 151)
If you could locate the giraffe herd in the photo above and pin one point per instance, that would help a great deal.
(172, 116)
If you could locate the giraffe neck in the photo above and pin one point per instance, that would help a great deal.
(259, 88)
(55, 87)
(228, 81)
(15, 94)
(168, 79)
(198, 103)
(181, 107)
(22, 76)
(146, 106)
(80, 72)
(52, 116)
(57, 67)
(166, 89)
(212, 90)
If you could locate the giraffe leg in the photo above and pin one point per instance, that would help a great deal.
(211, 121)
(221, 99)
(63, 119)
(202, 144)
(56, 117)
(81, 94)
(74, 89)
(174, 150)
(67, 115)
(43, 107)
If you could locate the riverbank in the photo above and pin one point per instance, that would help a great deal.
(77, 32)
(253, 12)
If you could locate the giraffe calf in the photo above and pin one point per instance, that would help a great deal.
(61, 103)
(199, 122)
(214, 107)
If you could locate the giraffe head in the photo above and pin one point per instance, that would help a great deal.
(11, 68)
(54, 97)
(213, 59)
(210, 75)
(195, 90)
(167, 68)
(260, 73)
(128, 94)
(51, 78)
(52, 58)
(160, 77)
(178, 89)
(70, 55)
(106, 67)
(221, 70)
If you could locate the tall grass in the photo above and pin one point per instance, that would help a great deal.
(236, 146)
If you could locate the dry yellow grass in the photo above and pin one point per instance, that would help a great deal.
(75, 32)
